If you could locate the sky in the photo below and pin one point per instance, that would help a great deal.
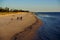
(33, 5)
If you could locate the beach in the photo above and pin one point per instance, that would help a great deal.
(12, 27)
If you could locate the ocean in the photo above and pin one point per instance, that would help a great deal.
(50, 30)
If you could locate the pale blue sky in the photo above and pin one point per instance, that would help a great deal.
(33, 5)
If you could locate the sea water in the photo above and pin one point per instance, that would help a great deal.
(50, 30)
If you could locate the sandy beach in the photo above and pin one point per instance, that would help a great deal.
(12, 28)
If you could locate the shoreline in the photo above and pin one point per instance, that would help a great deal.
(26, 26)
(30, 32)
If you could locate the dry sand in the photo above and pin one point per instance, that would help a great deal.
(13, 29)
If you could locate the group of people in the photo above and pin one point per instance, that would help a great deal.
(18, 18)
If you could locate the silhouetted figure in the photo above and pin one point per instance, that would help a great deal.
(11, 18)
(21, 17)
(17, 18)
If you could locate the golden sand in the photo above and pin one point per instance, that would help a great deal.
(8, 27)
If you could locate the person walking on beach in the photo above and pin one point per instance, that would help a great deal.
(17, 18)
(21, 17)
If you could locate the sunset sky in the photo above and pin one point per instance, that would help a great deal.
(33, 5)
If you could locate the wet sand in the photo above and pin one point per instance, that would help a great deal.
(13, 29)
(29, 33)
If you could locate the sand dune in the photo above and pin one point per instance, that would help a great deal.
(10, 25)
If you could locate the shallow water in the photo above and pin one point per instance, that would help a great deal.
(50, 30)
